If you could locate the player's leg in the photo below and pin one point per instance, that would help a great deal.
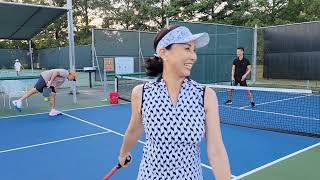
(231, 92)
(28, 94)
(38, 87)
(249, 93)
(18, 103)
(52, 101)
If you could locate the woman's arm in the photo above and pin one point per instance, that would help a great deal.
(135, 127)
(215, 148)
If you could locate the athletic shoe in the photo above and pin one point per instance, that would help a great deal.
(17, 104)
(54, 112)
(228, 102)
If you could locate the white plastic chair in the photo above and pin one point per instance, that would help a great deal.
(14, 89)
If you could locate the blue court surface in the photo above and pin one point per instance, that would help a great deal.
(83, 144)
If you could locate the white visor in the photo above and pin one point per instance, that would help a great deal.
(180, 35)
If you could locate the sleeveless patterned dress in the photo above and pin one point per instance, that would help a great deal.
(173, 133)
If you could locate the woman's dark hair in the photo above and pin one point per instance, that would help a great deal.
(154, 65)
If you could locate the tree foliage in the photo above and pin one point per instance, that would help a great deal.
(150, 15)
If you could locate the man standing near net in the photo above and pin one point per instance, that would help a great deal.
(52, 79)
(241, 68)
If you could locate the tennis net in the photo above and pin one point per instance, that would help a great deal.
(293, 111)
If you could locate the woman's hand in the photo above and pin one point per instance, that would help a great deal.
(124, 161)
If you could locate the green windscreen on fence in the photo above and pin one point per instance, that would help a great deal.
(118, 43)
(8, 57)
(114, 43)
(146, 43)
(292, 51)
(59, 57)
(214, 61)
(47, 58)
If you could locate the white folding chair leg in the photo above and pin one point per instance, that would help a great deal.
(26, 90)
(4, 100)
(9, 102)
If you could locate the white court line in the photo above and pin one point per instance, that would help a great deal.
(98, 126)
(52, 142)
(209, 167)
(90, 107)
(267, 112)
(263, 89)
(117, 133)
(277, 161)
(280, 100)
(6, 117)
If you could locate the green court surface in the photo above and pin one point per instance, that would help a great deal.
(302, 166)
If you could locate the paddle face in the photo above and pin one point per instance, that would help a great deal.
(46, 92)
